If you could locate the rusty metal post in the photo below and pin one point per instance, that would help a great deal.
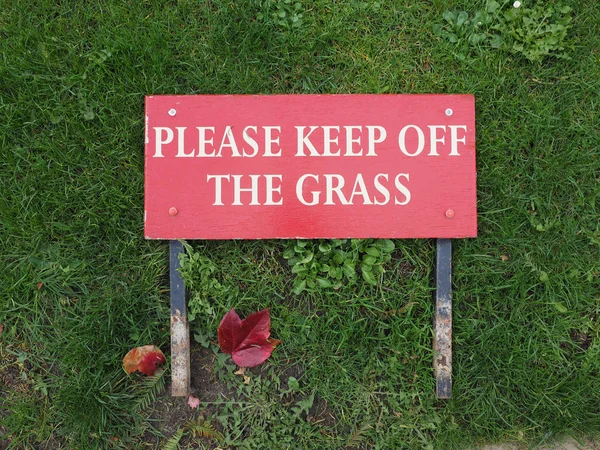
(180, 333)
(442, 340)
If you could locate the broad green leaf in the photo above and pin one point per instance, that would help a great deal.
(449, 17)
(349, 270)
(299, 269)
(324, 282)
(335, 272)
(299, 285)
(373, 251)
(324, 247)
(386, 245)
(304, 405)
(307, 258)
(369, 278)
(293, 384)
(369, 260)
(496, 41)
(477, 38)
(492, 7)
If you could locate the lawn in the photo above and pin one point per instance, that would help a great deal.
(80, 286)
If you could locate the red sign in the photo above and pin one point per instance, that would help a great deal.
(311, 166)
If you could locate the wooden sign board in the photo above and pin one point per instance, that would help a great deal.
(310, 166)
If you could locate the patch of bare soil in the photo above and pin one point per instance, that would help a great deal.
(321, 414)
(11, 383)
(204, 383)
(172, 413)
(169, 414)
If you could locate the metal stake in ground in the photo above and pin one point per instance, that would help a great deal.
(442, 340)
(180, 334)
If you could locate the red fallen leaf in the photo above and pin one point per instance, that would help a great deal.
(256, 328)
(247, 340)
(228, 331)
(1, 328)
(145, 359)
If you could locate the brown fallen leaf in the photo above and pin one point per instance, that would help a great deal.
(504, 257)
(274, 342)
(145, 359)
(242, 371)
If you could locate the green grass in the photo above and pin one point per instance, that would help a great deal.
(73, 76)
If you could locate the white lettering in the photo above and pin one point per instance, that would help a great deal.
(454, 140)
(300, 188)
(250, 141)
(403, 189)
(350, 141)
(218, 190)
(181, 144)
(402, 140)
(382, 189)
(360, 183)
(303, 140)
(160, 141)
(337, 188)
(202, 141)
(372, 140)
(237, 190)
(228, 136)
(269, 140)
(435, 139)
(271, 189)
(328, 140)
